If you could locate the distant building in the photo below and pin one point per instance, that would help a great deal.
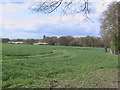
(40, 43)
(17, 42)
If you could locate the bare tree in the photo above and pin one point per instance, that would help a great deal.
(68, 7)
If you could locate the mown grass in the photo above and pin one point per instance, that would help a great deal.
(29, 66)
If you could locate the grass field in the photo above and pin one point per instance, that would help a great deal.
(29, 66)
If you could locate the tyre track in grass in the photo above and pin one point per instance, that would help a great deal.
(56, 54)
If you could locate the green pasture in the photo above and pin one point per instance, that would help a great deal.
(37, 66)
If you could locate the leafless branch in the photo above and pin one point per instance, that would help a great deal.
(68, 6)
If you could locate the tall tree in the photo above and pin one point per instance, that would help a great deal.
(109, 26)
(65, 40)
(50, 40)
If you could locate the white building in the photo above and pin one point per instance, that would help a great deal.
(40, 43)
(17, 42)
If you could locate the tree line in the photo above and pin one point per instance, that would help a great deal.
(88, 41)
(25, 41)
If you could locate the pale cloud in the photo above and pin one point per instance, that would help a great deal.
(17, 25)
(15, 34)
(102, 5)
(13, 8)
(33, 24)
(29, 25)
(9, 1)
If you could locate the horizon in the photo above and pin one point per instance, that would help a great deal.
(49, 36)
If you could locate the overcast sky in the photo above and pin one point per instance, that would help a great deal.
(18, 21)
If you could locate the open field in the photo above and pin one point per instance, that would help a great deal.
(29, 66)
